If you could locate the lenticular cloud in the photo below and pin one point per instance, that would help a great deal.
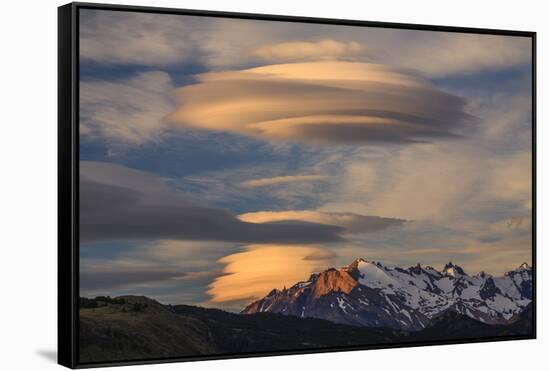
(321, 102)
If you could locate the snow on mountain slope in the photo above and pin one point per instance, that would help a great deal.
(370, 294)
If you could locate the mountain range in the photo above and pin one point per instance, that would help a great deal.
(369, 294)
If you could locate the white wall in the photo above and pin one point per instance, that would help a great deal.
(28, 181)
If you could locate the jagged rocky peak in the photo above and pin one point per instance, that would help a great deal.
(333, 280)
(523, 269)
(354, 264)
(482, 275)
(453, 270)
(312, 277)
(273, 293)
(489, 289)
(354, 267)
(417, 269)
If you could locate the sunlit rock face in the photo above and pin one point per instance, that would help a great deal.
(370, 294)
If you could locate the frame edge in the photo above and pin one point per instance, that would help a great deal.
(66, 257)
(300, 19)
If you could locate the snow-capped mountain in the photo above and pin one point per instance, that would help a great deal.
(371, 294)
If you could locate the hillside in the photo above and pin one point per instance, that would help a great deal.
(134, 328)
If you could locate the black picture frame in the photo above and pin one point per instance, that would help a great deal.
(68, 176)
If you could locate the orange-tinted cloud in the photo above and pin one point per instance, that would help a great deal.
(295, 50)
(251, 274)
(263, 182)
(353, 223)
(320, 102)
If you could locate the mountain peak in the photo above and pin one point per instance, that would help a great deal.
(483, 274)
(417, 269)
(448, 265)
(525, 271)
(453, 270)
(273, 293)
(356, 263)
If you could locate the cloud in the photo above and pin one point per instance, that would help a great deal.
(427, 182)
(253, 273)
(114, 268)
(353, 223)
(321, 254)
(485, 177)
(436, 243)
(175, 271)
(222, 187)
(436, 182)
(263, 182)
(162, 40)
(511, 177)
(128, 112)
(321, 102)
(300, 50)
(112, 277)
(118, 203)
(432, 54)
(109, 37)
(132, 38)
(439, 54)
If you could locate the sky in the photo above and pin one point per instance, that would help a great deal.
(222, 158)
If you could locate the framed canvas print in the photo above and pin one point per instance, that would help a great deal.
(235, 185)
